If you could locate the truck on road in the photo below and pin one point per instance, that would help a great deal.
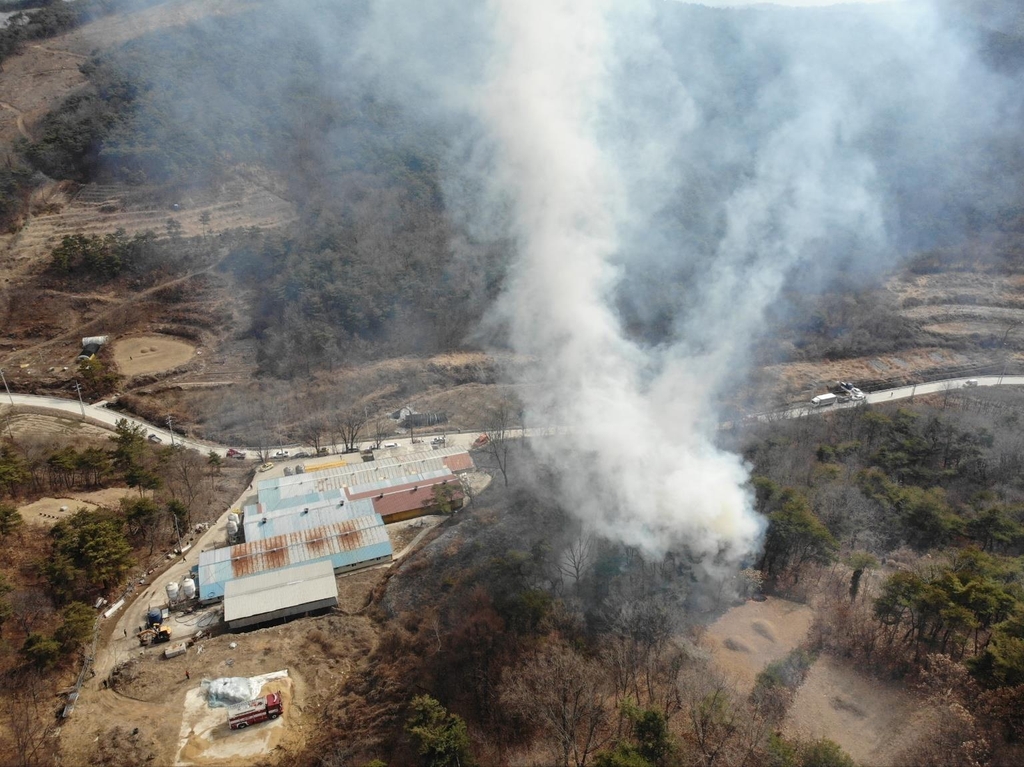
(824, 399)
(241, 715)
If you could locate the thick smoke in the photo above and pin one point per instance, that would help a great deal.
(638, 466)
(647, 170)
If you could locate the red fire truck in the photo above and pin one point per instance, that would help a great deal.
(241, 715)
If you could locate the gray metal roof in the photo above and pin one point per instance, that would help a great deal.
(260, 524)
(279, 590)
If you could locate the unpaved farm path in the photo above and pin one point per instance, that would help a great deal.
(20, 119)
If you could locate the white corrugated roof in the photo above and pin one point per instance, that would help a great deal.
(279, 590)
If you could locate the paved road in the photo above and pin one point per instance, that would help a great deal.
(465, 439)
(104, 416)
(900, 392)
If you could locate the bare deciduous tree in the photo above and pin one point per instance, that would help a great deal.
(312, 431)
(349, 424)
(577, 556)
(382, 429)
(28, 719)
(563, 695)
(499, 433)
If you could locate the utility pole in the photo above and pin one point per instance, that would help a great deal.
(78, 388)
(170, 428)
(1002, 346)
(6, 387)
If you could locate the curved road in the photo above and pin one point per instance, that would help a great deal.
(109, 417)
(900, 392)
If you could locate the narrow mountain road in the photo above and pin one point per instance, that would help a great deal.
(20, 119)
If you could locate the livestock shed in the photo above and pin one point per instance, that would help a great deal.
(280, 594)
(415, 497)
(259, 524)
(348, 545)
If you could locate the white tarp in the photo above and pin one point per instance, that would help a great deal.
(227, 691)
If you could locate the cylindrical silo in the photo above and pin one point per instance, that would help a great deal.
(172, 592)
(232, 526)
(188, 587)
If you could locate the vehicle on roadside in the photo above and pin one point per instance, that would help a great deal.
(389, 445)
(438, 441)
(856, 393)
(281, 454)
(232, 453)
(266, 467)
(155, 439)
(971, 382)
(847, 386)
(822, 400)
(241, 715)
(483, 439)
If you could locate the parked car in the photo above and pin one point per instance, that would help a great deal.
(281, 454)
(389, 445)
(232, 453)
(155, 439)
(437, 441)
(971, 382)
(266, 467)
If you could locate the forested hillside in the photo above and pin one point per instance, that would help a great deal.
(382, 264)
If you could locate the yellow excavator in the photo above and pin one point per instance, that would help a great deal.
(155, 632)
(154, 635)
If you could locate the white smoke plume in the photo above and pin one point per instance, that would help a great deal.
(639, 465)
(590, 129)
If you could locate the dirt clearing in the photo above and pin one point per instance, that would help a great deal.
(874, 722)
(46, 512)
(151, 354)
(206, 739)
(749, 637)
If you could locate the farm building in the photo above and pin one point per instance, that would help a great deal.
(280, 594)
(279, 491)
(348, 545)
(259, 524)
(412, 496)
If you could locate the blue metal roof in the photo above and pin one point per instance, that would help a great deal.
(345, 544)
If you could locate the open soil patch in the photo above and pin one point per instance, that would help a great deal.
(749, 637)
(151, 354)
(46, 512)
(873, 721)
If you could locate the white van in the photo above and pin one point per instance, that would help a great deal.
(971, 382)
(824, 399)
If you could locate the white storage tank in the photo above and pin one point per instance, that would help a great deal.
(232, 526)
(233, 517)
(188, 588)
(172, 592)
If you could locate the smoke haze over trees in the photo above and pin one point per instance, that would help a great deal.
(619, 191)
